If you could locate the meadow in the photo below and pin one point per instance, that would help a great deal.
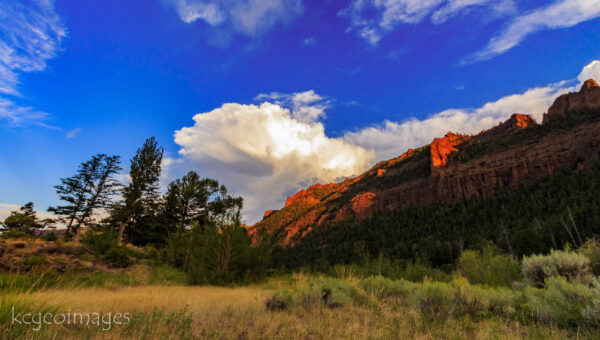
(301, 306)
(178, 312)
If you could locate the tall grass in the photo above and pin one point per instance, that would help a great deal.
(138, 275)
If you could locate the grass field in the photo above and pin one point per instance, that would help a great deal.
(483, 298)
(176, 312)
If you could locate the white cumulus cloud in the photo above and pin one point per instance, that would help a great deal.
(263, 152)
(30, 34)
(248, 17)
(306, 106)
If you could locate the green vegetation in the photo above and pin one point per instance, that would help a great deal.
(528, 219)
(562, 300)
(489, 266)
(575, 268)
(218, 256)
(554, 125)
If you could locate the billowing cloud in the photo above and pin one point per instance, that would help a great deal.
(265, 152)
(560, 14)
(248, 17)
(388, 14)
(30, 34)
(307, 107)
(591, 71)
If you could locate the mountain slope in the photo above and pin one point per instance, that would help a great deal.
(452, 168)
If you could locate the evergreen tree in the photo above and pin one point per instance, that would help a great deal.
(23, 220)
(137, 213)
(203, 201)
(89, 189)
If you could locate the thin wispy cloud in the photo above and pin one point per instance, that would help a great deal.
(30, 34)
(312, 41)
(372, 20)
(350, 72)
(247, 17)
(71, 134)
(389, 14)
(561, 14)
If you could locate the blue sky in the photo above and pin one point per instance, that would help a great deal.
(269, 96)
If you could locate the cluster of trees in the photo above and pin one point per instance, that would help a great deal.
(195, 225)
(559, 211)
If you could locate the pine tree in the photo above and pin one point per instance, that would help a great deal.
(23, 220)
(89, 189)
(137, 213)
(203, 201)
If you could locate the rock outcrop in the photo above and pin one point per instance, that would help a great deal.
(312, 194)
(516, 122)
(269, 213)
(442, 147)
(491, 160)
(588, 98)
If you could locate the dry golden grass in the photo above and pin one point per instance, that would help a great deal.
(239, 313)
(148, 298)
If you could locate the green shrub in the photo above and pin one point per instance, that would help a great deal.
(503, 301)
(155, 255)
(339, 292)
(331, 293)
(434, 300)
(572, 266)
(468, 299)
(591, 250)
(49, 237)
(117, 257)
(417, 272)
(35, 262)
(100, 242)
(381, 287)
(167, 275)
(562, 302)
(282, 299)
(489, 267)
(225, 255)
(136, 254)
(592, 313)
(15, 234)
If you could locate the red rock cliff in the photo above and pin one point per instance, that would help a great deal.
(588, 98)
(442, 147)
(429, 175)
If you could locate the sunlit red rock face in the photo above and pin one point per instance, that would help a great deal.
(442, 147)
(516, 122)
(431, 174)
(269, 213)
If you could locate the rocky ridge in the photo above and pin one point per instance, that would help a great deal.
(450, 169)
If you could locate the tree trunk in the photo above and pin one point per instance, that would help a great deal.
(121, 231)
